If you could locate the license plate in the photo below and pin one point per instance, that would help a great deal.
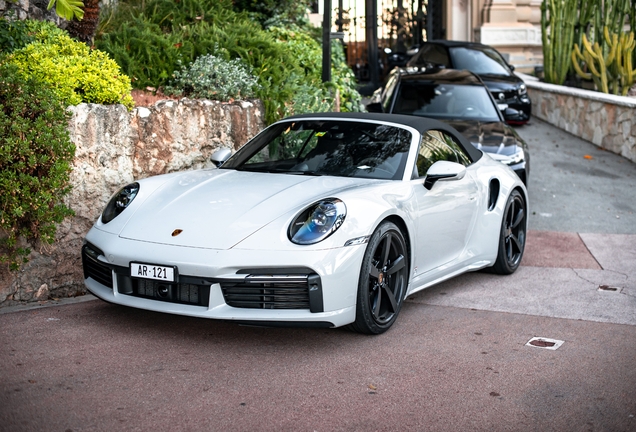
(151, 271)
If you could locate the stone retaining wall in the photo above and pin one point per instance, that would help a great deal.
(33, 9)
(114, 147)
(606, 120)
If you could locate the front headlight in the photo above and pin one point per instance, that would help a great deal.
(317, 222)
(119, 202)
(522, 89)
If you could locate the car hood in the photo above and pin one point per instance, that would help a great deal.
(500, 82)
(216, 209)
(491, 137)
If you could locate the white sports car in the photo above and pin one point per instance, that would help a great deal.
(320, 220)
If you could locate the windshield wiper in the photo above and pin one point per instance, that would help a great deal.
(309, 173)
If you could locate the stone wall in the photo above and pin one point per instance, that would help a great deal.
(606, 120)
(114, 147)
(33, 9)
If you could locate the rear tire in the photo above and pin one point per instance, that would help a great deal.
(383, 281)
(512, 239)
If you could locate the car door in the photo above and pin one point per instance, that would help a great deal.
(446, 213)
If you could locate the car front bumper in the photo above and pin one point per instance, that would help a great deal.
(302, 287)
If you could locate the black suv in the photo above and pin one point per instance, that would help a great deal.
(488, 64)
(460, 99)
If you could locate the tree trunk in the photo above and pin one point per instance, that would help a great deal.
(84, 30)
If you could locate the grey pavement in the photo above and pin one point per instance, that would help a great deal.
(577, 187)
(457, 359)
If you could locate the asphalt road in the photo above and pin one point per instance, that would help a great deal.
(456, 360)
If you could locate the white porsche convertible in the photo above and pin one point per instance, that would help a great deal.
(320, 220)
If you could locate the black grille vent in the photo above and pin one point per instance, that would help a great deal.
(94, 268)
(268, 292)
(184, 293)
(509, 95)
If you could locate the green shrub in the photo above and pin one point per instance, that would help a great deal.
(279, 13)
(150, 45)
(16, 34)
(75, 72)
(35, 163)
(308, 52)
(149, 40)
(345, 80)
(212, 77)
(144, 52)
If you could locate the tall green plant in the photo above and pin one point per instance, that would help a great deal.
(558, 20)
(612, 73)
(604, 49)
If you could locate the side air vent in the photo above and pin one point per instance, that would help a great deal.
(493, 194)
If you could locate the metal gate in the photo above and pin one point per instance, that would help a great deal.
(401, 26)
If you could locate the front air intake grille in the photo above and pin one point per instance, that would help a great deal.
(268, 292)
(95, 269)
(183, 293)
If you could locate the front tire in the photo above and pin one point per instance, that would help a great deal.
(383, 281)
(512, 239)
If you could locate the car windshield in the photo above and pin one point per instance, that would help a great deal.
(445, 101)
(481, 62)
(327, 147)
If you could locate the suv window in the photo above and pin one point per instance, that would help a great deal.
(433, 53)
(436, 146)
(487, 61)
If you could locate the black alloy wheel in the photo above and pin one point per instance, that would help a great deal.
(512, 239)
(383, 280)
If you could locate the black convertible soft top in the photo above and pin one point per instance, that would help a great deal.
(421, 124)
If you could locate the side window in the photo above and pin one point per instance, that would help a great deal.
(437, 146)
(462, 157)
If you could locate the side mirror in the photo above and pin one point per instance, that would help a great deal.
(375, 107)
(444, 171)
(219, 157)
(512, 68)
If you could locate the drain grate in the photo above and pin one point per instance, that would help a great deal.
(547, 343)
(608, 288)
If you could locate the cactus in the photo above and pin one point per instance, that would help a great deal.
(560, 16)
(611, 71)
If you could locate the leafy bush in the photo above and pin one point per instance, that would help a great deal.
(13, 35)
(150, 39)
(75, 72)
(16, 34)
(35, 163)
(150, 45)
(308, 52)
(212, 77)
(345, 80)
(277, 13)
